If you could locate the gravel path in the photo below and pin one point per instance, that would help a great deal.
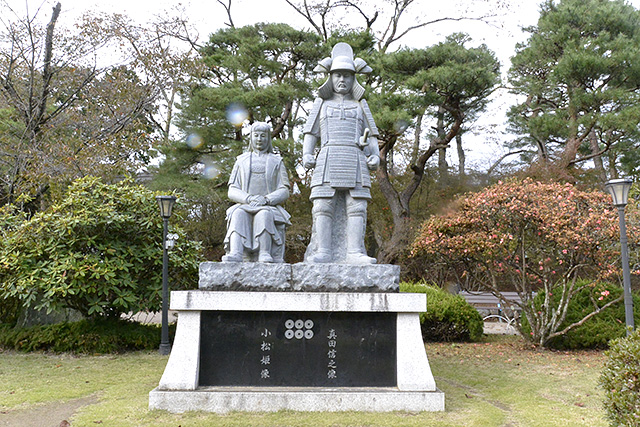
(499, 328)
(50, 415)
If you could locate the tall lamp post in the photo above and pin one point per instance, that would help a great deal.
(619, 190)
(166, 206)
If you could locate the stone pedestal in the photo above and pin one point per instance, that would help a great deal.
(280, 348)
(251, 276)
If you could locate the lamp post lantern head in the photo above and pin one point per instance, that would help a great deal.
(619, 190)
(166, 205)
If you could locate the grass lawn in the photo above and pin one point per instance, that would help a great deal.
(501, 382)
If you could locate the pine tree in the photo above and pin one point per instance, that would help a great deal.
(579, 75)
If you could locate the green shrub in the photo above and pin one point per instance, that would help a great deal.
(10, 310)
(89, 336)
(621, 381)
(448, 317)
(97, 251)
(10, 306)
(596, 332)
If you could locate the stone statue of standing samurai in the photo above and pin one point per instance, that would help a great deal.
(341, 122)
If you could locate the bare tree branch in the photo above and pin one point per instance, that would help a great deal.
(591, 155)
(501, 159)
(305, 11)
(393, 38)
(368, 20)
(227, 8)
(584, 319)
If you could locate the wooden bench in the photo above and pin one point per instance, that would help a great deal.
(490, 307)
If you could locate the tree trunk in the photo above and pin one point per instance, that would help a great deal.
(47, 74)
(570, 151)
(461, 157)
(416, 141)
(543, 152)
(398, 205)
(399, 202)
(613, 172)
(443, 167)
(391, 251)
(573, 140)
(597, 159)
(33, 110)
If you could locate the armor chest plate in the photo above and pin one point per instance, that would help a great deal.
(341, 123)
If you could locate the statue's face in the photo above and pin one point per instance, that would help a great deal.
(342, 81)
(260, 140)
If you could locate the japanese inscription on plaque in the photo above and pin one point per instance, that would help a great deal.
(265, 348)
(298, 349)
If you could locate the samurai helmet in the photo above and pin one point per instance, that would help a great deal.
(341, 59)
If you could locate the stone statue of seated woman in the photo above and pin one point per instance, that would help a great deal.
(258, 185)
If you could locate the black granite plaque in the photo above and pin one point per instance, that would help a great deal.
(314, 349)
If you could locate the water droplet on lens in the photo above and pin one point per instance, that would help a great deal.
(400, 126)
(194, 141)
(237, 114)
(211, 169)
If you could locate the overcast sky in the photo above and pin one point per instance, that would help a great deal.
(209, 16)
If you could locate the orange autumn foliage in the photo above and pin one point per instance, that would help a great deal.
(526, 236)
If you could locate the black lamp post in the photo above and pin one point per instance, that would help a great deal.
(619, 190)
(166, 206)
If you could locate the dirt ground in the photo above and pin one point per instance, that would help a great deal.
(50, 415)
(499, 328)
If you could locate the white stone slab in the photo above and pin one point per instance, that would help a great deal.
(412, 365)
(298, 301)
(183, 367)
(272, 399)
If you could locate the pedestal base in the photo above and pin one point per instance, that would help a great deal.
(273, 399)
(300, 277)
(269, 351)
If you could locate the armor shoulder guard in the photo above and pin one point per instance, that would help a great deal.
(369, 118)
(313, 116)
